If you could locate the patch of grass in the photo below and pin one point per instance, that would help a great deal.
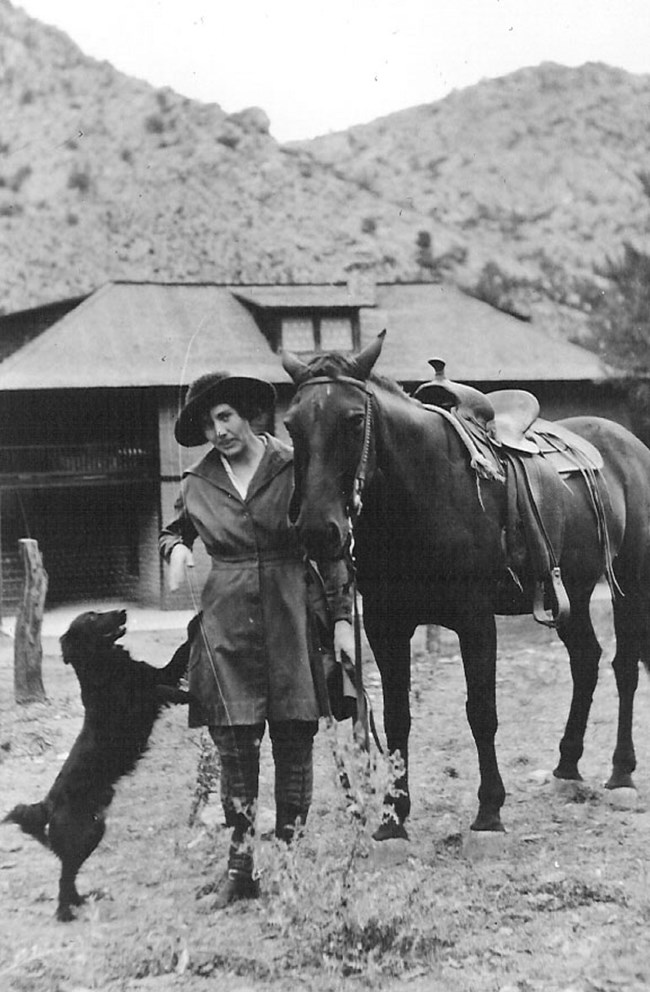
(570, 893)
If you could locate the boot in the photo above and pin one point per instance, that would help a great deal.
(289, 821)
(237, 882)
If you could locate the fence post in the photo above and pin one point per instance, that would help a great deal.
(28, 650)
(432, 639)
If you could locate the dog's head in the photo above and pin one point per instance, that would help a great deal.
(93, 630)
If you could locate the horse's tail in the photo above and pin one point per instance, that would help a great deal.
(31, 820)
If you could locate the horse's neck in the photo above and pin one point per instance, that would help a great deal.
(412, 442)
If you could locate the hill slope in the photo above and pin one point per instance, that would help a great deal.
(541, 173)
(102, 176)
(546, 170)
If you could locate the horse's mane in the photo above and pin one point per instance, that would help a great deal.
(334, 364)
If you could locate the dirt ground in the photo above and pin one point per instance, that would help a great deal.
(564, 906)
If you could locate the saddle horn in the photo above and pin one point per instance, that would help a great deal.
(442, 392)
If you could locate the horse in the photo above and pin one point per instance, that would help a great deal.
(429, 549)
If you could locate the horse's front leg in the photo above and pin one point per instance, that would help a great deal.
(478, 645)
(393, 657)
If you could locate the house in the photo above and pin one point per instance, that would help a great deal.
(91, 387)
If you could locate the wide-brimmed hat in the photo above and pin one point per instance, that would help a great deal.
(243, 392)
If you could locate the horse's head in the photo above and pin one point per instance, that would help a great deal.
(329, 422)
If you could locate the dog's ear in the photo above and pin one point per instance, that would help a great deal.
(64, 642)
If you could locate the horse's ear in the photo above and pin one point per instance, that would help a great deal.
(363, 363)
(295, 366)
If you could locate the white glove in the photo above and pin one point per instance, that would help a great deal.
(180, 559)
(343, 640)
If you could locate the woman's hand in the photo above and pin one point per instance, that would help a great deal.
(343, 640)
(180, 559)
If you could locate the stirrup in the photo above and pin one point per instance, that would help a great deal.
(563, 607)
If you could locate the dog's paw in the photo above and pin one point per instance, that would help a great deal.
(64, 914)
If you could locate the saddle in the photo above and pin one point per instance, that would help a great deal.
(508, 441)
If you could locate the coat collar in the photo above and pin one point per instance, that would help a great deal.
(274, 460)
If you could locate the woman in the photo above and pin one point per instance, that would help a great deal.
(250, 663)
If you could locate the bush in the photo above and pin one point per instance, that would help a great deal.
(10, 209)
(154, 124)
(229, 138)
(79, 179)
(19, 177)
(620, 321)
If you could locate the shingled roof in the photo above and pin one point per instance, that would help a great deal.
(478, 342)
(143, 334)
(129, 334)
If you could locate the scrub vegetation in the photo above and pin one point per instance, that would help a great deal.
(562, 907)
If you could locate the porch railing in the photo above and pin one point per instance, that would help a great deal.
(76, 460)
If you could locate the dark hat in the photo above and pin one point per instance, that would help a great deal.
(249, 397)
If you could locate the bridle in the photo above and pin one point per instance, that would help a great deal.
(364, 723)
(361, 474)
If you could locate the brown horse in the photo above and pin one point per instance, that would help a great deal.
(428, 548)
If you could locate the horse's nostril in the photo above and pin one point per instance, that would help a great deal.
(333, 534)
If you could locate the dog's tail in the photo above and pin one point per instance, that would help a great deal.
(31, 820)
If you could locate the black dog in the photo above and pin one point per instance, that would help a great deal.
(122, 700)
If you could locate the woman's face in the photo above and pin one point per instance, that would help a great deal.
(227, 430)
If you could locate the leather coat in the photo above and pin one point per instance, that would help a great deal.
(251, 661)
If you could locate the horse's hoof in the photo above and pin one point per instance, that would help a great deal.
(623, 798)
(480, 844)
(541, 776)
(390, 830)
(389, 853)
(568, 788)
(64, 914)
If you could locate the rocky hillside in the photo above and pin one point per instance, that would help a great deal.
(103, 176)
(543, 173)
(518, 185)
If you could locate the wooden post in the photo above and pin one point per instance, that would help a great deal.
(432, 640)
(28, 650)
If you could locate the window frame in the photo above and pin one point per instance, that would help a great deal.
(316, 317)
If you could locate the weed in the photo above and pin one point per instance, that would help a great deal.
(208, 775)
(322, 892)
(570, 893)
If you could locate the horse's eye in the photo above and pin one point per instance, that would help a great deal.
(355, 423)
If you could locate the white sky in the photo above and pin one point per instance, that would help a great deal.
(322, 65)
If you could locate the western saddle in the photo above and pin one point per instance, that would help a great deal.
(509, 442)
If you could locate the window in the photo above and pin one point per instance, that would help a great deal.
(298, 334)
(336, 334)
(310, 333)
